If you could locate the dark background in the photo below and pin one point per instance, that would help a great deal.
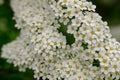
(108, 9)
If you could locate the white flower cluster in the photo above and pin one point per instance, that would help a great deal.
(63, 39)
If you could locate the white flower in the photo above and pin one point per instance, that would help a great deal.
(104, 62)
(76, 22)
(64, 20)
(83, 18)
(76, 12)
(59, 12)
(91, 7)
(63, 39)
(41, 28)
(82, 5)
(115, 67)
(84, 29)
(90, 39)
(71, 29)
(64, 2)
(48, 55)
(78, 36)
(69, 13)
(105, 69)
(87, 55)
(94, 71)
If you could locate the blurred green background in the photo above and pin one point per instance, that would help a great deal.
(108, 9)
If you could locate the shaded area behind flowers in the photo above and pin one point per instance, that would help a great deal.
(109, 10)
(9, 33)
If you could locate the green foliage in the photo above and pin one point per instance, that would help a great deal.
(96, 63)
(69, 37)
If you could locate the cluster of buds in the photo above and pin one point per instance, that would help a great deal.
(63, 39)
